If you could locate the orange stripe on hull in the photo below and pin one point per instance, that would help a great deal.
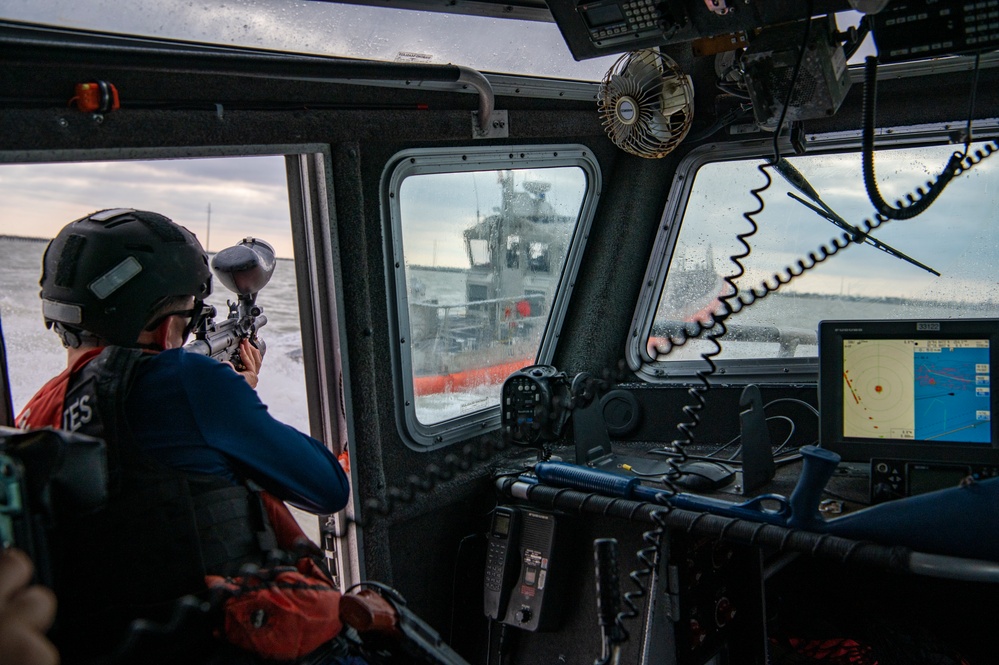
(443, 383)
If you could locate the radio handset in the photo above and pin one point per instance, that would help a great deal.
(501, 560)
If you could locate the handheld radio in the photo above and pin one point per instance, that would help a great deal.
(535, 577)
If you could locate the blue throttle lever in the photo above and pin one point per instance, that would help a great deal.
(562, 474)
(817, 468)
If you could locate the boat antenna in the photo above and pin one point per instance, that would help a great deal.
(208, 232)
(475, 188)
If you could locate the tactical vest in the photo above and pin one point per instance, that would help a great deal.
(162, 531)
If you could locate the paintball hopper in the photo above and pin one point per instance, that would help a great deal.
(246, 267)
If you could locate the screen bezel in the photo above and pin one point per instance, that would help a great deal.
(591, 13)
(832, 334)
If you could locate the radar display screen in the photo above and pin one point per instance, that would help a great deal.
(909, 390)
(917, 389)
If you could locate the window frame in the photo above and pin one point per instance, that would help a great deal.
(753, 370)
(425, 161)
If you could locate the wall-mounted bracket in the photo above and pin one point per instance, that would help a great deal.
(497, 126)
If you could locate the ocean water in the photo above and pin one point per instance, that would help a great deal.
(798, 315)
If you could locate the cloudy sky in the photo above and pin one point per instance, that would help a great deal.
(957, 235)
(247, 195)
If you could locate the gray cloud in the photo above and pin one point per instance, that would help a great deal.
(248, 196)
(955, 236)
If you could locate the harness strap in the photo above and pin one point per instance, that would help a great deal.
(115, 369)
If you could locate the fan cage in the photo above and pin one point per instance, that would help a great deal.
(663, 98)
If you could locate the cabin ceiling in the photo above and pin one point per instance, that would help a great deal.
(539, 10)
(530, 10)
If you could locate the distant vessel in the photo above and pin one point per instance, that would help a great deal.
(693, 291)
(515, 258)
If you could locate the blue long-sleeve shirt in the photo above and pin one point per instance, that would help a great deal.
(195, 414)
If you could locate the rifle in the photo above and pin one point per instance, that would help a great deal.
(384, 622)
(245, 268)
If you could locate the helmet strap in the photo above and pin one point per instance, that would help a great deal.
(74, 338)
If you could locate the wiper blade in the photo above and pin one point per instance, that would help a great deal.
(797, 180)
(858, 235)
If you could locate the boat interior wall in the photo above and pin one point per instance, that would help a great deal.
(658, 411)
(240, 79)
(622, 231)
(6, 407)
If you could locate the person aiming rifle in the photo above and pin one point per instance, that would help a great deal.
(189, 443)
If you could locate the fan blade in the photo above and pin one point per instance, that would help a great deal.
(674, 97)
(622, 85)
(659, 126)
(620, 132)
(644, 69)
(674, 104)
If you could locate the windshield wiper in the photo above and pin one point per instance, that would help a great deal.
(797, 180)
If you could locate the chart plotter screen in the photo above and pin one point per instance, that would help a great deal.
(911, 390)
(922, 389)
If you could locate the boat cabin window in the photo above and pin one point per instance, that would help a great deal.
(483, 247)
(939, 264)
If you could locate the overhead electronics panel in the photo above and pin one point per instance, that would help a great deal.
(593, 28)
(917, 29)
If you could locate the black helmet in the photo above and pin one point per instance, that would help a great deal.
(104, 275)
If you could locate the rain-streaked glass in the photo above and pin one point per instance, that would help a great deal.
(957, 236)
(484, 253)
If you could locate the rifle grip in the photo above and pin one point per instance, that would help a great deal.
(366, 611)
